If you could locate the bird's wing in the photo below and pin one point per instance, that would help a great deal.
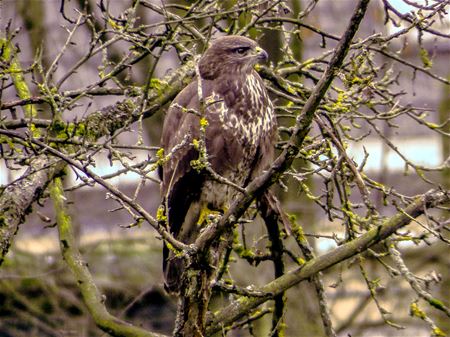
(181, 184)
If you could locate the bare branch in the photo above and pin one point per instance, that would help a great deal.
(94, 301)
(303, 124)
(238, 308)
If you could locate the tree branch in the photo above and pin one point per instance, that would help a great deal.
(103, 182)
(303, 124)
(17, 198)
(243, 305)
(91, 296)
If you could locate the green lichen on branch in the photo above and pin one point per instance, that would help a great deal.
(157, 87)
(236, 309)
(161, 214)
(201, 162)
(161, 157)
(437, 332)
(110, 119)
(9, 56)
(89, 291)
(425, 58)
(66, 131)
(415, 311)
(437, 304)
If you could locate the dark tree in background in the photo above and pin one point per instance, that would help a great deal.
(347, 232)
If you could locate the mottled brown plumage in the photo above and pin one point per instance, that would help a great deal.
(239, 139)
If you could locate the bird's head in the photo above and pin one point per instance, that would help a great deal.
(230, 55)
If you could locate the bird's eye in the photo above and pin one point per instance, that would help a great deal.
(241, 50)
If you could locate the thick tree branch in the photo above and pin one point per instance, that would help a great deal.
(17, 198)
(103, 182)
(13, 204)
(243, 305)
(91, 295)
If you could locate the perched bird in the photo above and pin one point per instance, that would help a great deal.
(224, 121)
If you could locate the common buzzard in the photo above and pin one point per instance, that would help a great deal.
(223, 119)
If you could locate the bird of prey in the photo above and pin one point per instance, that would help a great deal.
(222, 122)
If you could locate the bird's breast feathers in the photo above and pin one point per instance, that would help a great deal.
(249, 117)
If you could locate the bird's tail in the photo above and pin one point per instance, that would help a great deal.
(173, 267)
(186, 231)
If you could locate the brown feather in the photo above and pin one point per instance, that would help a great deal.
(239, 138)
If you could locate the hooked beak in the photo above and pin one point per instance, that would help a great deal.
(261, 54)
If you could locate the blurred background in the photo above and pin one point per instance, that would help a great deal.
(37, 293)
